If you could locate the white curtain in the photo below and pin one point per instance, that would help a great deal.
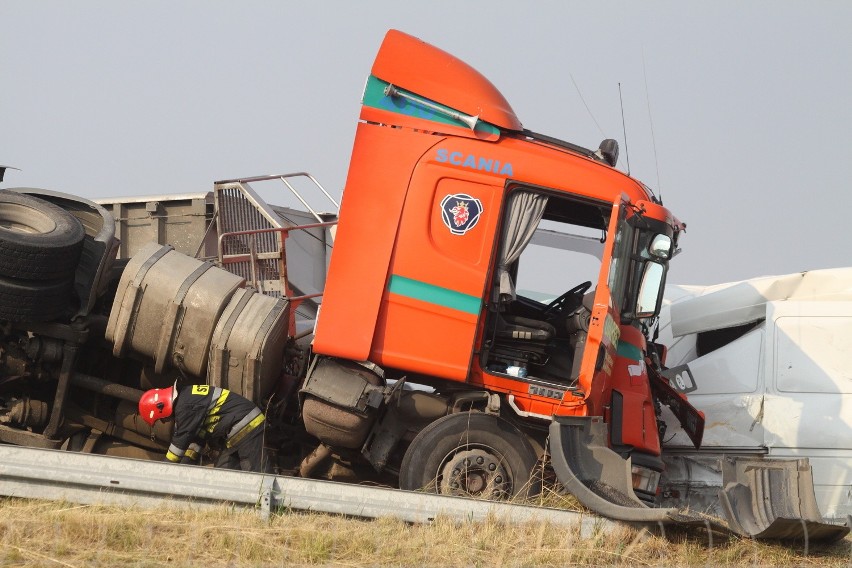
(522, 219)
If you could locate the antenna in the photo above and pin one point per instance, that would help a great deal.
(624, 128)
(587, 106)
(651, 121)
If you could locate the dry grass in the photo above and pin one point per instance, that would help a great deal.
(40, 533)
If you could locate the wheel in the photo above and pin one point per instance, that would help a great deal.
(38, 240)
(33, 300)
(472, 454)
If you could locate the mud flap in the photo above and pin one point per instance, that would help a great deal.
(774, 499)
(764, 499)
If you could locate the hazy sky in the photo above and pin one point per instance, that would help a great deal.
(750, 102)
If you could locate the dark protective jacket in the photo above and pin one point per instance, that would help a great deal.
(206, 414)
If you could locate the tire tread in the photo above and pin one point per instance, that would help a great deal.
(33, 300)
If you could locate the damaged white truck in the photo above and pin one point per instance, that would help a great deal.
(769, 362)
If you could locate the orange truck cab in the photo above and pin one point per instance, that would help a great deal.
(474, 256)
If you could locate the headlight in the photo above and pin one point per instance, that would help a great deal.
(645, 480)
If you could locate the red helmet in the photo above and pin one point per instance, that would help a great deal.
(156, 404)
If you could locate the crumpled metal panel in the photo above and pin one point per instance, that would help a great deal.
(601, 479)
(737, 303)
(774, 499)
(762, 498)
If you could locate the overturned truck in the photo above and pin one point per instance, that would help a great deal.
(488, 311)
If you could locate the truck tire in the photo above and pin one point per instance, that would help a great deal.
(33, 300)
(38, 240)
(471, 453)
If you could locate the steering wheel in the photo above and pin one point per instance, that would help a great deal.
(556, 305)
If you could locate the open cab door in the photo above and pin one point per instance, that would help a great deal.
(551, 330)
(598, 355)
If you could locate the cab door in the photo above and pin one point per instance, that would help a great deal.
(602, 340)
(436, 280)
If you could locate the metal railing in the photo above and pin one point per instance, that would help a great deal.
(254, 262)
(284, 179)
(251, 256)
(85, 478)
(252, 240)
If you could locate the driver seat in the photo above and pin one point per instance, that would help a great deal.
(516, 327)
(519, 339)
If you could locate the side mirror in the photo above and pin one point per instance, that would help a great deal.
(649, 290)
(661, 247)
(608, 150)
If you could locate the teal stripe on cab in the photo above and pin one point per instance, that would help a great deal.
(426, 292)
(629, 351)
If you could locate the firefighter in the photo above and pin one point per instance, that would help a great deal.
(209, 415)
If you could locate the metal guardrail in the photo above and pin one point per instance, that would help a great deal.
(94, 479)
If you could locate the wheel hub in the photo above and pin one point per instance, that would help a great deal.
(475, 472)
(24, 219)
